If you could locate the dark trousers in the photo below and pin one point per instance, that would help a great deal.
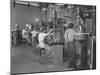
(70, 53)
(15, 37)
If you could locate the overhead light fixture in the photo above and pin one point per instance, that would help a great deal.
(60, 4)
(34, 4)
(22, 2)
(27, 3)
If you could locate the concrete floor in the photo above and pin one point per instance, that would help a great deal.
(24, 61)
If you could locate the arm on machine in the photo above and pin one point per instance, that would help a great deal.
(49, 32)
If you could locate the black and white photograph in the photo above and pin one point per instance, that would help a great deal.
(51, 37)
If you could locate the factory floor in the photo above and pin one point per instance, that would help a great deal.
(24, 61)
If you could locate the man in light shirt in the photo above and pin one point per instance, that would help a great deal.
(34, 33)
(15, 34)
(71, 36)
(41, 39)
(24, 33)
(69, 44)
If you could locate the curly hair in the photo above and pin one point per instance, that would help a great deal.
(71, 25)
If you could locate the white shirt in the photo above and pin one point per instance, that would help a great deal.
(34, 33)
(69, 35)
(41, 38)
(24, 34)
(41, 44)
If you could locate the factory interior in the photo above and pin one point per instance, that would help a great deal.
(45, 17)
